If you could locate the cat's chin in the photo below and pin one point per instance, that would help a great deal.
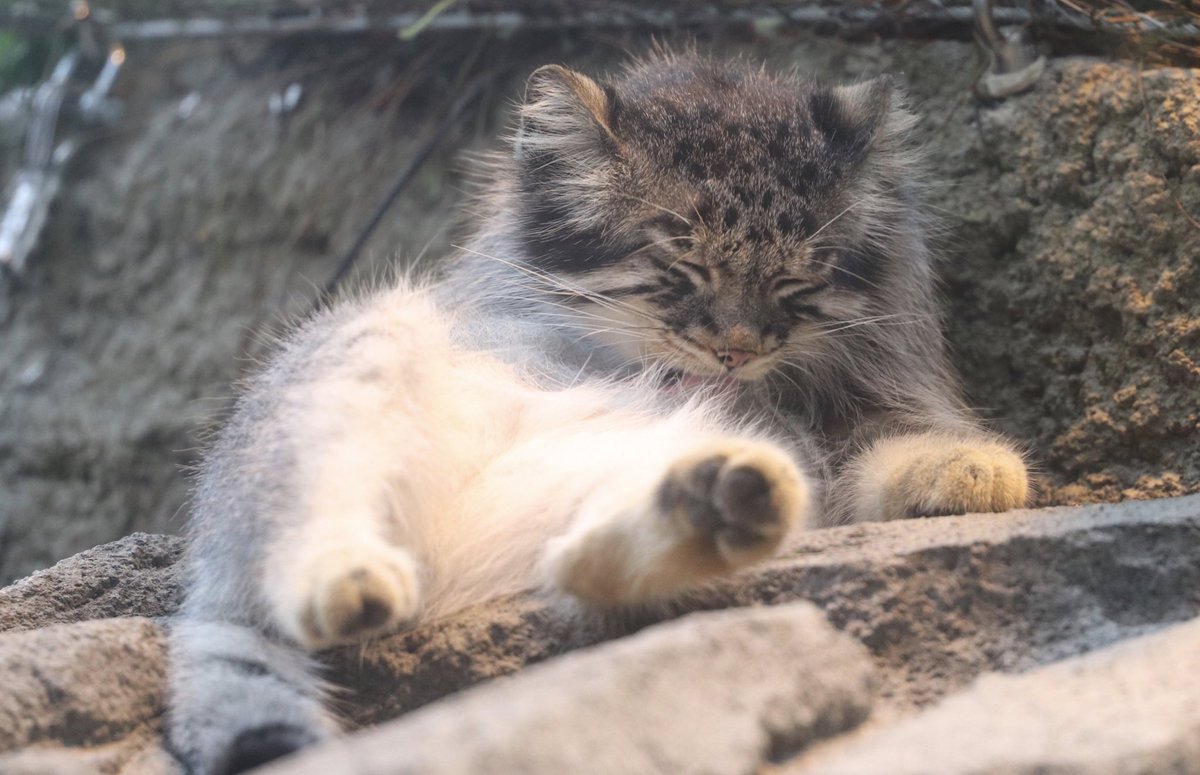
(678, 381)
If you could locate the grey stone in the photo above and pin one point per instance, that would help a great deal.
(136, 576)
(936, 602)
(713, 693)
(1127, 709)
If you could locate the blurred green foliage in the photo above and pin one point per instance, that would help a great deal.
(22, 59)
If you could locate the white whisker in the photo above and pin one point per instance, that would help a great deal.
(666, 210)
(559, 287)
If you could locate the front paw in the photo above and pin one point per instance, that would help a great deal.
(345, 594)
(735, 499)
(955, 478)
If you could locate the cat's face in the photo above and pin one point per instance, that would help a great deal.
(706, 217)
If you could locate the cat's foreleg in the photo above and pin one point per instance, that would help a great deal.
(931, 474)
(667, 519)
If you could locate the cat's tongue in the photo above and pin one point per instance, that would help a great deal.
(693, 382)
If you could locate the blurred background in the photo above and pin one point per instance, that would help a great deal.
(179, 178)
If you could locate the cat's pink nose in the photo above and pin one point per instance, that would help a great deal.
(734, 359)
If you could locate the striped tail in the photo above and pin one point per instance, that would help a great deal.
(239, 699)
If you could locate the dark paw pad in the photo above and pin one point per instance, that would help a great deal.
(255, 747)
(373, 611)
(731, 503)
(745, 494)
(690, 489)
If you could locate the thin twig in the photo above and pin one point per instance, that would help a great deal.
(424, 150)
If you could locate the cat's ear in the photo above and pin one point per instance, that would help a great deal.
(862, 120)
(566, 113)
(866, 103)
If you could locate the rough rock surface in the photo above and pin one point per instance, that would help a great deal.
(1083, 249)
(935, 602)
(180, 244)
(717, 692)
(136, 576)
(1072, 219)
(85, 694)
(1130, 708)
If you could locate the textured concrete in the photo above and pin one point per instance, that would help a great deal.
(717, 692)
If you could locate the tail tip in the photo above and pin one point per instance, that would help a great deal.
(255, 747)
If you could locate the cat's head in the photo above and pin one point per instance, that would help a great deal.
(712, 217)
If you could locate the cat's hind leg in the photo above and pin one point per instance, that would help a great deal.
(302, 520)
(676, 508)
(933, 474)
(336, 568)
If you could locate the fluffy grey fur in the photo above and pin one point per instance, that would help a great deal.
(694, 255)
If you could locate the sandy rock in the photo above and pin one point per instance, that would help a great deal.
(1131, 708)
(1074, 302)
(710, 693)
(71, 687)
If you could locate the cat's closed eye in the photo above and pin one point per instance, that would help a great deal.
(796, 296)
(789, 287)
(695, 274)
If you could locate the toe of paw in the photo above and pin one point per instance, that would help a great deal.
(988, 483)
(965, 485)
(745, 493)
(366, 599)
(360, 603)
(1010, 483)
(690, 485)
(758, 505)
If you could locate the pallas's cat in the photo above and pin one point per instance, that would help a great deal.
(698, 312)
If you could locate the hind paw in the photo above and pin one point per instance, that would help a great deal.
(350, 593)
(727, 504)
(738, 498)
